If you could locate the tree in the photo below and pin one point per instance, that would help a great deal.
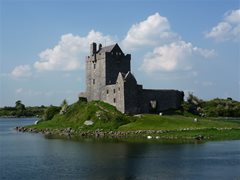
(194, 104)
(50, 112)
(20, 108)
(19, 105)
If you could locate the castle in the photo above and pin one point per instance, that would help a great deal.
(109, 78)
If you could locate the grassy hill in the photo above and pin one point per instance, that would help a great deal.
(103, 116)
(106, 118)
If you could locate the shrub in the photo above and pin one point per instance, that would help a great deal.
(50, 112)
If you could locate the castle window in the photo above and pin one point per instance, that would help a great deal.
(114, 100)
(94, 66)
(93, 81)
(107, 91)
(116, 53)
(114, 91)
(119, 89)
(119, 53)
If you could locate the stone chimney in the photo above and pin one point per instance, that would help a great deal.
(93, 48)
(99, 47)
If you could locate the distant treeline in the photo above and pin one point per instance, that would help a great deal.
(212, 108)
(19, 110)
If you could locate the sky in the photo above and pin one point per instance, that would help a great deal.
(193, 46)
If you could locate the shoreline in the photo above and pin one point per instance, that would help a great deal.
(195, 134)
(10, 117)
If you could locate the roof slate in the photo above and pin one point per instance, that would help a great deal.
(107, 48)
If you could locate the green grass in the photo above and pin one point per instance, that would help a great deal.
(108, 118)
(103, 115)
(178, 127)
(175, 122)
(208, 134)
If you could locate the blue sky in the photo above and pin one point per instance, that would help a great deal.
(187, 45)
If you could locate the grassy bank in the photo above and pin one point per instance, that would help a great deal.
(106, 118)
(174, 122)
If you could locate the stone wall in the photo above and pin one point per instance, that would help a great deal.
(115, 64)
(131, 95)
(95, 76)
(110, 94)
(102, 69)
(130, 98)
(114, 94)
(165, 99)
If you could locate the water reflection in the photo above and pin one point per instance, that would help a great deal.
(30, 156)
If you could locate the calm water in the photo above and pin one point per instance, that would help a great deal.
(31, 156)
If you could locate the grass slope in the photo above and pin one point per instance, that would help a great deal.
(103, 115)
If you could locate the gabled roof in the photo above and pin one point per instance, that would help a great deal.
(126, 77)
(130, 76)
(121, 76)
(107, 48)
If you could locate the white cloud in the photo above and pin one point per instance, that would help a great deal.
(232, 16)
(206, 53)
(150, 32)
(21, 71)
(175, 56)
(169, 52)
(228, 28)
(69, 53)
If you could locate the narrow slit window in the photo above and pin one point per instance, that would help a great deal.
(114, 91)
(93, 81)
(94, 66)
(114, 100)
(107, 91)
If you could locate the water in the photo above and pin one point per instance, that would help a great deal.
(31, 156)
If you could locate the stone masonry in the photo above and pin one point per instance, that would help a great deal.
(109, 78)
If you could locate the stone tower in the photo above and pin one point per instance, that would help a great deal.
(109, 78)
(102, 68)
